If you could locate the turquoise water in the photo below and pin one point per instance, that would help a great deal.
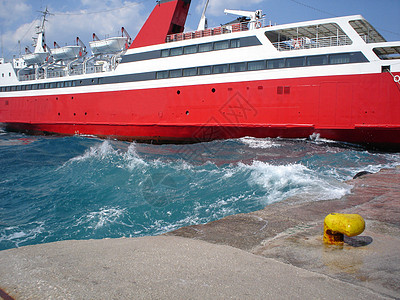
(60, 188)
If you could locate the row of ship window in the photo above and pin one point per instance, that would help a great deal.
(220, 45)
(48, 85)
(293, 62)
(192, 49)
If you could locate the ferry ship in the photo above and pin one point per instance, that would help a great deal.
(335, 78)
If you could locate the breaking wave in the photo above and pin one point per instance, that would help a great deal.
(83, 188)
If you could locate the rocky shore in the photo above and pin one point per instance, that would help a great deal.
(274, 253)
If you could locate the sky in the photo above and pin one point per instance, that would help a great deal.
(72, 18)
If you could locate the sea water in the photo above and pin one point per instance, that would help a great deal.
(61, 188)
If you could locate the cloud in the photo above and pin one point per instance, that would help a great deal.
(12, 11)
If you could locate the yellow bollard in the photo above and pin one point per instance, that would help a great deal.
(336, 225)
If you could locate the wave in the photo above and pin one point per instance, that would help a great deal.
(97, 219)
(261, 143)
(82, 188)
(283, 181)
(21, 234)
(100, 151)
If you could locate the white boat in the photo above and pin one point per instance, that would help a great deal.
(35, 58)
(109, 45)
(66, 52)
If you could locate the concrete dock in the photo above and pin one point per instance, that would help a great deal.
(274, 253)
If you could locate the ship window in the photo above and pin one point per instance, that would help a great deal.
(275, 63)
(59, 84)
(238, 67)
(9, 74)
(41, 86)
(13, 88)
(162, 74)
(386, 53)
(205, 47)
(341, 58)
(221, 45)
(175, 73)
(189, 72)
(29, 87)
(235, 43)
(19, 88)
(345, 58)
(68, 84)
(34, 86)
(1, 89)
(190, 49)
(256, 65)
(2, 74)
(165, 53)
(357, 57)
(46, 85)
(53, 85)
(220, 69)
(204, 70)
(176, 51)
(294, 62)
(317, 60)
(8, 88)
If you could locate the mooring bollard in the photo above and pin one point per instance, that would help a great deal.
(337, 225)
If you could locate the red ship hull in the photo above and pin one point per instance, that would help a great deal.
(362, 109)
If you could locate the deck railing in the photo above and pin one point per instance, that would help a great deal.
(309, 43)
(237, 27)
(77, 70)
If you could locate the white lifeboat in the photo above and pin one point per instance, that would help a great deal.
(109, 45)
(35, 58)
(66, 52)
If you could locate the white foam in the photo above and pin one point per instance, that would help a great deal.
(98, 219)
(160, 226)
(258, 143)
(22, 233)
(98, 151)
(283, 181)
(132, 158)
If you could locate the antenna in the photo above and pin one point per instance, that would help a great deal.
(45, 13)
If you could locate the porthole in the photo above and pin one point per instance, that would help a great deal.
(213, 90)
